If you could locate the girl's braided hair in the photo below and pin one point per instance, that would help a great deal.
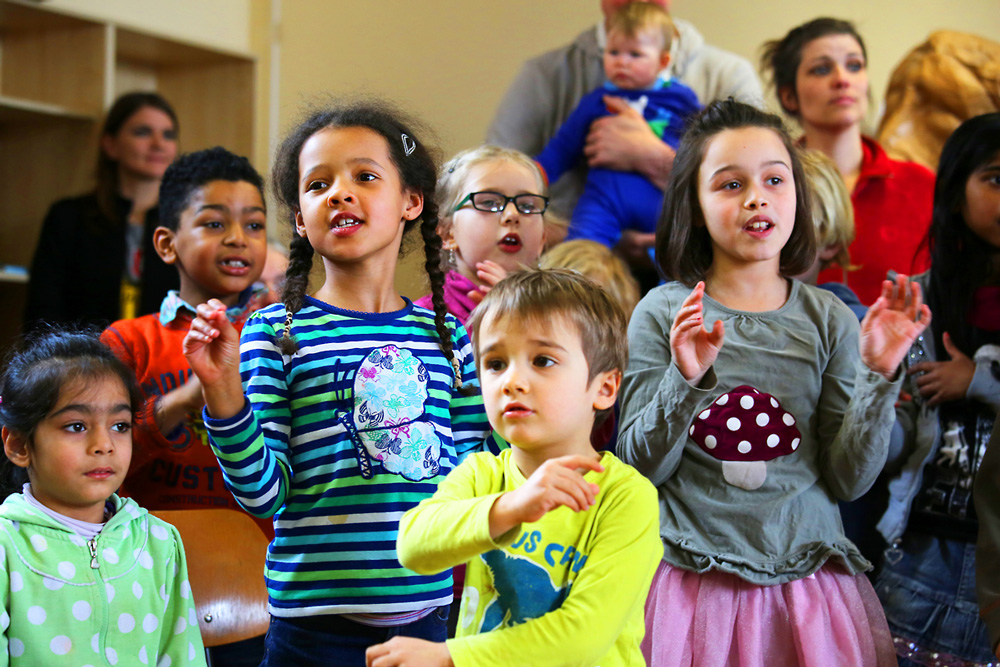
(416, 165)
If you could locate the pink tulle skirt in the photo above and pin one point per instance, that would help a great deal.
(828, 619)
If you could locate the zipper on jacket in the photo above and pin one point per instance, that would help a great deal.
(92, 545)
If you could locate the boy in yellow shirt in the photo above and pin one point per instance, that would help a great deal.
(561, 541)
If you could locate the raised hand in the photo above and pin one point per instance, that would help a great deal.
(694, 348)
(212, 347)
(408, 652)
(557, 482)
(490, 273)
(891, 325)
(943, 381)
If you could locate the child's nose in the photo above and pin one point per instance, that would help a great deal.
(509, 213)
(339, 194)
(754, 198)
(101, 442)
(514, 382)
(236, 236)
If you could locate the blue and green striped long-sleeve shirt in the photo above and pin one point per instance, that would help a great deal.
(338, 441)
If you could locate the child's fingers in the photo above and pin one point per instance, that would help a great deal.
(577, 461)
(717, 334)
(695, 295)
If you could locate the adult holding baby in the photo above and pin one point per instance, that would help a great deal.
(550, 86)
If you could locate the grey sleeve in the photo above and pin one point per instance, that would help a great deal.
(525, 112)
(855, 414)
(984, 387)
(657, 402)
(987, 499)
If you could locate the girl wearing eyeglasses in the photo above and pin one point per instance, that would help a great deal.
(492, 202)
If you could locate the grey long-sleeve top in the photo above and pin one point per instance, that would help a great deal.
(805, 355)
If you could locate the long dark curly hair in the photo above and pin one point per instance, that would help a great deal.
(417, 166)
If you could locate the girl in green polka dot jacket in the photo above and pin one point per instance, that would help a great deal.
(86, 577)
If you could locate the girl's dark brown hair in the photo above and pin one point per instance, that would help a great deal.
(107, 169)
(416, 165)
(683, 246)
(781, 58)
(961, 261)
(36, 371)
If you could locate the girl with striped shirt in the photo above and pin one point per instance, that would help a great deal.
(344, 408)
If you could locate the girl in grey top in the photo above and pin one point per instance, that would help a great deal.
(752, 429)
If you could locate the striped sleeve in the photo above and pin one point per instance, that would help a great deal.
(253, 446)
(470, 428)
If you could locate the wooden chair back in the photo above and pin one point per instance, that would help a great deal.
(225, 557)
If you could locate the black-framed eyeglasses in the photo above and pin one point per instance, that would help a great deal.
(494, 202)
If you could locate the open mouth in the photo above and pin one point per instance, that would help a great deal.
(235, 266)
(758, 224)
(510, 243)
(345, 222)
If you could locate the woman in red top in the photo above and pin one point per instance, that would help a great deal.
(820, 75)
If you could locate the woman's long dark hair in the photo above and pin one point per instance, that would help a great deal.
(107, 169)
(961, 262)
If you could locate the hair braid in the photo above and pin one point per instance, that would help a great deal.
(432, 264)
(300, 254)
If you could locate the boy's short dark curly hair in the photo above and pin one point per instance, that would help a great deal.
(192, 171)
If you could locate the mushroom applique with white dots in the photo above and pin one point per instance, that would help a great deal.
(744, 428)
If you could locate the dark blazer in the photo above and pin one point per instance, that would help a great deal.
(77, 270)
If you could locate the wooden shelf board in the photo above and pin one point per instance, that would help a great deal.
(14, 109)
(151, 50)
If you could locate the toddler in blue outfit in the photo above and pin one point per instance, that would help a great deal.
(637, 51)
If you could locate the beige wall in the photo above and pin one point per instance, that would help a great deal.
(450, 62)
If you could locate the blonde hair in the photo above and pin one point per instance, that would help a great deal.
(598, 264)
(832, 211)
(636, 17)
(455, 172)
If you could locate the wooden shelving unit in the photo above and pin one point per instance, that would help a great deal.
(58, 75)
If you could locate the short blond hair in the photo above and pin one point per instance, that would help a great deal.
(540, 295)
(637, 17)
(832, 211)
(597, 263)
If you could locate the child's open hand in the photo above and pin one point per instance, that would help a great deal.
(944, 381)
(212, 347)
(557, 482)
(490, 273)
(891, 325)
(694, 349)
(408, 652)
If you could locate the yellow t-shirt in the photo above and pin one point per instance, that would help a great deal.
(566, 590)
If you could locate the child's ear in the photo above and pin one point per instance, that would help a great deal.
(448, 241)
(413, 205)
(664, 60)
(826, 253)
(789, 100)
(607, 384)
(15, 446)
(300, 224)
(163, 243)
